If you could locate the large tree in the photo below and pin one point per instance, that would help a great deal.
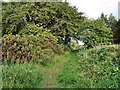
(58, 18)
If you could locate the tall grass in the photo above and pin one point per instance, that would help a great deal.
(21, 76)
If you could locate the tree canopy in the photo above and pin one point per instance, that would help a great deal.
(58, 18)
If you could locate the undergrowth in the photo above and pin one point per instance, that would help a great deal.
(93, 68)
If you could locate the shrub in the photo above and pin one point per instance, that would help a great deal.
(29, 47)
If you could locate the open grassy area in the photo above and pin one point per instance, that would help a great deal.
(90, 68)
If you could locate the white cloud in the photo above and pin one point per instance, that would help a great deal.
(93, 8)
(6, 0)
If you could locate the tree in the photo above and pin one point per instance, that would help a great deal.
(57, 18)
(94, 32)
(110, 22)
(117, 32)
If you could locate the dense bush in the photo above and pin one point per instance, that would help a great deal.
(30, 48)
(21, 76)
(93, 68)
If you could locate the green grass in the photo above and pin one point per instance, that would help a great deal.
(56, 60)
(30, 75)
(69, 78)
(21, 76)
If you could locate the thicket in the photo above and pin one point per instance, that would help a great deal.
(16, 48)
(101, 31)
(114, 24)
(93, 68)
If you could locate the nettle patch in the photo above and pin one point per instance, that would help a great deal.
(29, 48)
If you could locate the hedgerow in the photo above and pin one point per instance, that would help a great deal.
(29, 48)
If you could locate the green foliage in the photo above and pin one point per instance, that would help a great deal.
(114, 24)
(33, 17)
(73, 45)
(93, 68)
(21, 76)
(94, 32)
(103, 66)
(116, 32)
(30, 48)
(111, 21)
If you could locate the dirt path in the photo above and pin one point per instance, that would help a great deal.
(51, 73)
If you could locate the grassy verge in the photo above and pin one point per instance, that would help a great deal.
(21, 76)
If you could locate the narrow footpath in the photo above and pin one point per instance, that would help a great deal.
(50, 74)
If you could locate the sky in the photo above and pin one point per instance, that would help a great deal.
(6, 0)
(94, 8)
